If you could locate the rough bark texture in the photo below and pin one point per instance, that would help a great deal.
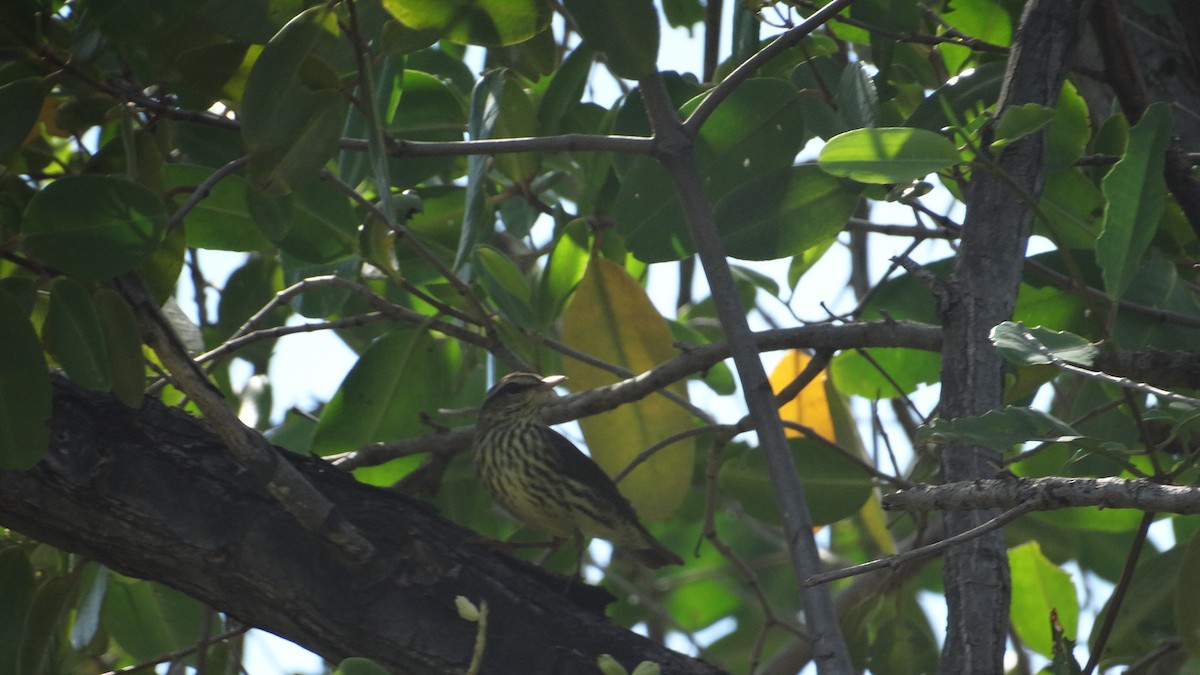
(983, 293)
(152, 493)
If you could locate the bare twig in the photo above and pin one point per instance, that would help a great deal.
(924, 551)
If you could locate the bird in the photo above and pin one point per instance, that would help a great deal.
(543, 480)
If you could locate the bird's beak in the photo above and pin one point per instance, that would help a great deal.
(551, 381)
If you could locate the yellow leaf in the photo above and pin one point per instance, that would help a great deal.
(611, 318)
(810, 407)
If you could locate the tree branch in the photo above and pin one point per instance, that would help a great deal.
(865, 334)
(153, 493)
(1048, 494)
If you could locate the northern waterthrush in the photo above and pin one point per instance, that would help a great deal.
(542, 479)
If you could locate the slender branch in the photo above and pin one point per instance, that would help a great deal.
(750, 66)
(630, 145)
(923, 551)
(203, 190)
(1048, 494)
(247, 333)
(1118, 594)
(698, 359)
(916, 38)
(177, 654)
(1123, 382)
(678, 158)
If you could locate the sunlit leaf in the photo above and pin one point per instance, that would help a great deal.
(379, 400)
(887, 154)
(810, 407)
(1037, 346)
(490, 23)
(292, 112)
(611, 318)
(1040, 587)
(1019, 121)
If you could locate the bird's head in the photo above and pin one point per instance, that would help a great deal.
(518, 395)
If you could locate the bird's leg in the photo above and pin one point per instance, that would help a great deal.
(579, 547)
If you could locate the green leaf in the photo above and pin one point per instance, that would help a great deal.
(1146, 614)
(221, 221)
(857, 375)
(490, 23)
(1035, 346)
(834, 485)
(323, 227)
(359, 666)
(887, 154)
(515, 118)
(93, 227)
(1135, 190)
(1000, 429)
(1072, 206)
(1039, 588)
(148, 619)
(479, 221)
(565, 89)
(386, 391)
(428, 110)
(20, 105)
(43, 650)
(784, 213)
(858, 102)
(961, 100)
(24, 389)
(1069, 131)
(1187, 610)
(1019, 121)
(506, 285)
(757, 130)
(123, 345)
(17, 586)
(699, 605)
(73, 335)
(564, 269)
(626, 31)
(292, 112)
(982, 19)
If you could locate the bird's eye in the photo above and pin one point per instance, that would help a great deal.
(511, 388)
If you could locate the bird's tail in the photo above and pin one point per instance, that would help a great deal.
(655, 555)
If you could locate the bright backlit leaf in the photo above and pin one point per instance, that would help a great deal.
(887, 154)
(611, 318)
(1039, 588)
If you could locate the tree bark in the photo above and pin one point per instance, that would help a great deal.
(983, 293)
(152, 493)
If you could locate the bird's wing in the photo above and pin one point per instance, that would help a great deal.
(575, 463)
